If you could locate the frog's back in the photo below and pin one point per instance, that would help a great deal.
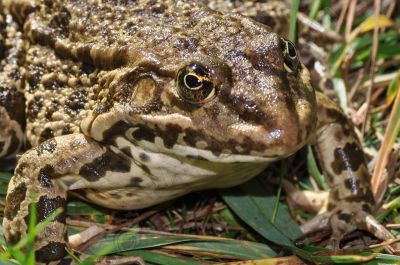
(60, 74)
(70, 45)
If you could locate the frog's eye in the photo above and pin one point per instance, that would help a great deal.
(289, 55)
(195, 84)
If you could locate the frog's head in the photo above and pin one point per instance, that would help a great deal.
(227, 89)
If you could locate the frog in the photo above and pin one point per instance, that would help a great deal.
(128, 104)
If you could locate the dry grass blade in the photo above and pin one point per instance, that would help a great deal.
(379, 177)
(350, 18)
(377, 7)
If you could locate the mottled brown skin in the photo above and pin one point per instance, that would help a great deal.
(111, 119)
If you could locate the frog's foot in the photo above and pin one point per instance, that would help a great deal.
(344, 218)
(37, 179)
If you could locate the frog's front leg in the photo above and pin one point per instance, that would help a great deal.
(342, 160)
(42, 175)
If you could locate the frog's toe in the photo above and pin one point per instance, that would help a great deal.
(344, 219)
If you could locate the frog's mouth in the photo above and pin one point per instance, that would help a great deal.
(178, 141)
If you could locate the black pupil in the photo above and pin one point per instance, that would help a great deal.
(192, 81)
(291, 50)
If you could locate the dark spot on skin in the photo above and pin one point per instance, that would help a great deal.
(172, 136)
(45, 176)
(369, 197)
(87, 69)
(366, 208)
(129, 194)
(117, 129)
(115, 195)
(197, 157)
(13, 201)
(216, 152)
(338, 117)
(109, 161)
(352, 184)
(349, 158)
(215, 146)
(144, 157)
(135, 181)
(34, 107)
(14, 102)
(46, 206)
(47, 146)
(46, 134)
(33, 78)
(66, 130)
(51, 252)
(247, 110)
(14, 238)
(51, 83)
(60, 22)
(127, 152)
(76, 102)
(345, 217)
(144, 133)
(54, 106)
(265, 18)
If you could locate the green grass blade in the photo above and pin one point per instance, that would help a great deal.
(314, 171)
(394, 87)
(253, 205)
(7, 262)
(293, 19)
(132, 241)
(232, 249)
(315, 7)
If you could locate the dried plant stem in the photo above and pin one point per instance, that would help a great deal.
(350, 19)
(345, 7)
(375, 43)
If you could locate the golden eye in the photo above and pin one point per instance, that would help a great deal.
(195, 84)
(290, 59)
